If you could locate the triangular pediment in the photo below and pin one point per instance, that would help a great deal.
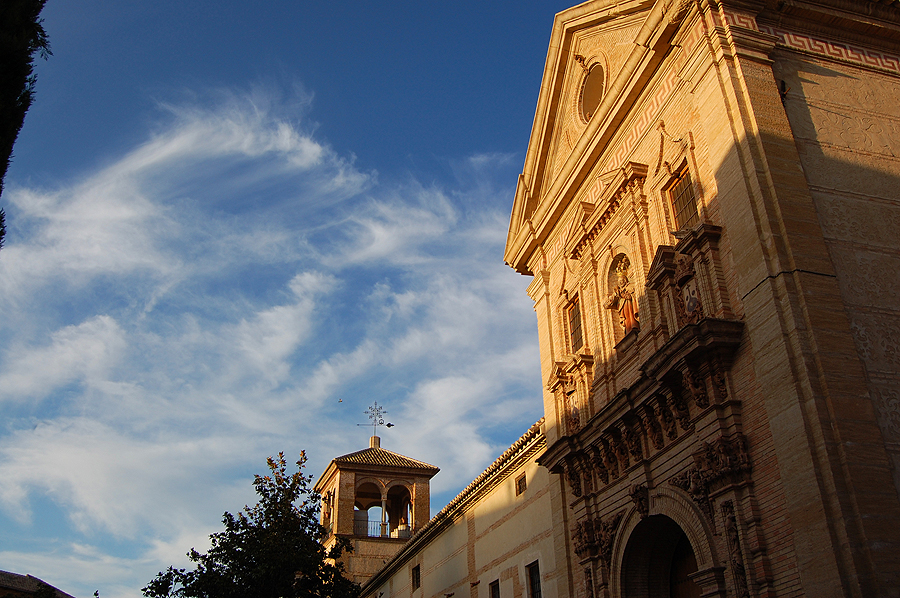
(572, 127)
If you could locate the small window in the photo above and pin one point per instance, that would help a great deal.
(520, 484)
(574, 312)
(684, 204)
(591, 92)
(416, 577)
(534, 580)
(495, 589)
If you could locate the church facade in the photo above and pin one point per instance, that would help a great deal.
(709, 210)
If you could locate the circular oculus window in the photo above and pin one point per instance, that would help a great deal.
(591, 92)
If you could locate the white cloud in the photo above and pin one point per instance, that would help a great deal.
(177, 324)
(80, 353)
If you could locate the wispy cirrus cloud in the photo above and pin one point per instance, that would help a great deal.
(229, 288)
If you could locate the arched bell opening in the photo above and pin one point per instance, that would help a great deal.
(399, 511)
(368, 516)
(658, 561)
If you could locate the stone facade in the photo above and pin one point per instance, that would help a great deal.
(717, 288)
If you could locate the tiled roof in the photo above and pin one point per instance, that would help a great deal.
(381, 457)
(26, 583)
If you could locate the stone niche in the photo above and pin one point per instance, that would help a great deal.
(688, 279)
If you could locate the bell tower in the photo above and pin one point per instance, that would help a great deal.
(376, 499)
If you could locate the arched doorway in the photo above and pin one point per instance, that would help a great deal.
(658, 561)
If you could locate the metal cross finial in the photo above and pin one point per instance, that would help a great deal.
(376, 414)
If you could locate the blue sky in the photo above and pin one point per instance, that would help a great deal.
(233, 228)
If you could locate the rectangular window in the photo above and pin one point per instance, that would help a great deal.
(495, 589)
(416, 577)
(534, 580)
(575, 325)
(684, 204)
(520, 484)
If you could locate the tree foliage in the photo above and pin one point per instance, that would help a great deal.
(273, 549)
(21, 35)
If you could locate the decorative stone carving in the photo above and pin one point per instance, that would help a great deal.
(623, 298)
(680, 406)
(596, 536)
(599, 465)
(582, 465)
(583, 537)
(573, 477)
(691, 481)
(734, 550)
(621, 452)
(633, 441)
(640, 496)
(720, 387)
(716, 464)
(693, 384)
(606, 535)
(723, 458)
(609, 459)
(668, 420)
(651, 425)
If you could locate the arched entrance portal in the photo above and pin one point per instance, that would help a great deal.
(658, 561)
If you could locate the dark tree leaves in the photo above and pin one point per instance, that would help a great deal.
(273, 549)
(21, 35)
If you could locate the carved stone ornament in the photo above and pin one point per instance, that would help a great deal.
(609, 459)
(599, 465)
(651, 425)
(734, 550)
(691, 481)
(668, 420)
(640, 496)
(621, 452)
(680, 406)
(633, 442)
(694, 386)
(720, 387)
(573, 477)
(716, 464)
(595, 536)
(582, 465)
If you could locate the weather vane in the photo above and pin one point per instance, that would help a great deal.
(376, 414)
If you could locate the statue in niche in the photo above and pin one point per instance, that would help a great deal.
(623, 298)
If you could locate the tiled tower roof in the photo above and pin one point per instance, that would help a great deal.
(380, 457)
